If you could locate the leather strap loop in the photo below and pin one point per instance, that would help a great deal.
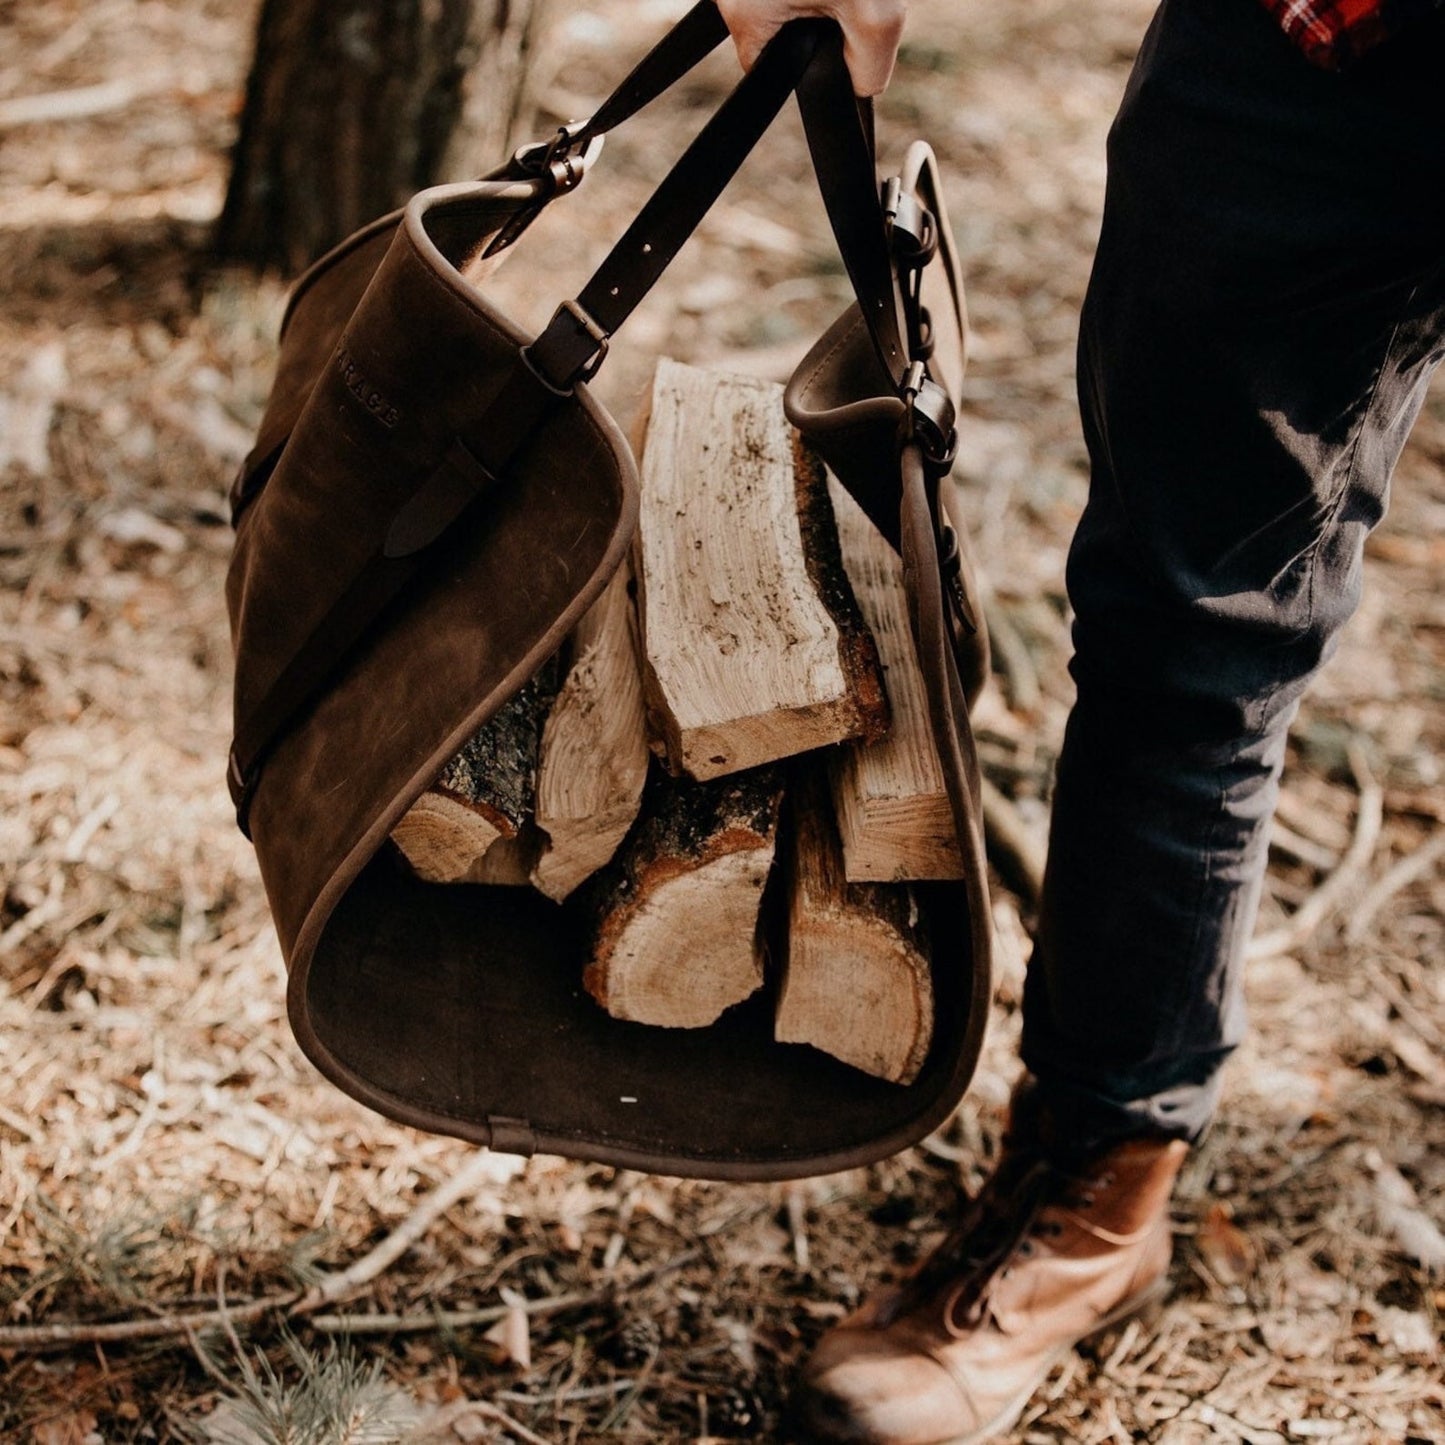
(457, 482)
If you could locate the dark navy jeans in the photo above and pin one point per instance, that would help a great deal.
(1266, 307)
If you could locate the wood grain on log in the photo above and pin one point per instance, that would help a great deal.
(856, 983)
(892, 807)
(676, 913)
(754, 648)
(594, 747)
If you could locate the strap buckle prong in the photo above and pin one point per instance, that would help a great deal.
(929, 417)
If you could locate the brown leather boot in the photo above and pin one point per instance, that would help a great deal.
(1043, 1258)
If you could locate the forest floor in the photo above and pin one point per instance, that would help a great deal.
(164, 1145)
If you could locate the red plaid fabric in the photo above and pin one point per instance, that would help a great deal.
(1332, 33)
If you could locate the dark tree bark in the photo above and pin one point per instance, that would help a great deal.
(353, 105)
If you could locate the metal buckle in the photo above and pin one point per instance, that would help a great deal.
(929, 417)
(551, 158)
(912, 230)
(559, 157)
(583, 371)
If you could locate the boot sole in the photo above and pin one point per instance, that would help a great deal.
(1142, 1304)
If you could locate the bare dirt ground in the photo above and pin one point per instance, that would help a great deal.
(163, 1145)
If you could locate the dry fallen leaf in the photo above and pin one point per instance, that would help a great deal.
(1228, 1251)
(76, 1428)
(511, 1334)
(1398, 1210)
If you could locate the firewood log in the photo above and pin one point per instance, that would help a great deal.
(483, 798)
(892, 808)
(675, 915)
(856, 981)
(753, 645)
(594, 748)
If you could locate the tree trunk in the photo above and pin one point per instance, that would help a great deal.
(354, 105)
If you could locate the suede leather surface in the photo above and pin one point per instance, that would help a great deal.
(459, 1009)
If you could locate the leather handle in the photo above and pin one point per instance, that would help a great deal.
(574, 340)
(691, 40)
(840, 141)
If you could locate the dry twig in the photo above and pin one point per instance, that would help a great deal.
(1016, 852)
(1302, 923)
(466, 1181)
(1411, 869)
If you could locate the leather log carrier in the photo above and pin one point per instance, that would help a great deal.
(433, 502)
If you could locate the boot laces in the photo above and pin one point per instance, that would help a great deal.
(998, 1225)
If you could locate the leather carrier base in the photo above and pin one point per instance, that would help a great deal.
(459, 1009)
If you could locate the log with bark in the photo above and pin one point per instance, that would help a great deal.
(754, 648)
(474, 824)
(675, 915)
(856, 981)
(892, 807)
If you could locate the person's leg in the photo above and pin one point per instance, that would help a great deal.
(1266, 305)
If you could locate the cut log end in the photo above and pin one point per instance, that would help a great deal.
(857, 982)
(484, 795)
(675, 916)
(859, 990)
(442, 837)
(687, 951)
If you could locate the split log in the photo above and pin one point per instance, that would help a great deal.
(483, 799)
(594, 748)
(676, 914)
(856, 983)
(754, 648)
(892, 807)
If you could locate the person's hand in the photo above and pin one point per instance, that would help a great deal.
(871, 32)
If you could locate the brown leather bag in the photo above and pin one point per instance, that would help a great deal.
(433, 502)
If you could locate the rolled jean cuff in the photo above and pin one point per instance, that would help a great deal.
(1075, 1121)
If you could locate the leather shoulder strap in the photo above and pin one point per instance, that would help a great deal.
(694, 37)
